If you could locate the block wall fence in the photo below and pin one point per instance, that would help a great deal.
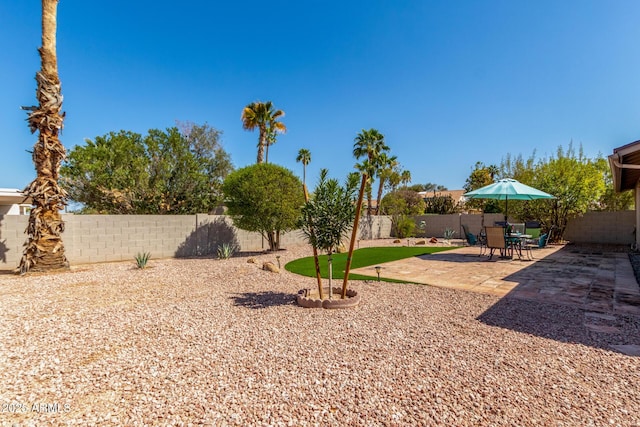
(103, 238)
(608, 228)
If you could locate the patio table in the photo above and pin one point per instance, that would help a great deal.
(515, 240)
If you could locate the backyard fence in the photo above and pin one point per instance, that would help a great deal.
(101, 238)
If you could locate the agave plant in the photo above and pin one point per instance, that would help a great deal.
(142, 259)
(226, 250)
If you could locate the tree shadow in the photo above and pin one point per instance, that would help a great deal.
(3, 244)
(258, 300)
(207, 238)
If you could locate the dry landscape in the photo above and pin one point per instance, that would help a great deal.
(222, 342)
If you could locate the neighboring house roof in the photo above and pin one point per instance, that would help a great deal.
(625, 166)
(12, 196)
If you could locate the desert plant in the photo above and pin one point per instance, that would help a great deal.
(328, 216)
(226, 250)
(448, 234)
(142, 259)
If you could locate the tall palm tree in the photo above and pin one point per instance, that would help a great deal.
(44, 249)
(370, 144)
(304, 157)
(387, 168)
(264, 117)
(405, 177)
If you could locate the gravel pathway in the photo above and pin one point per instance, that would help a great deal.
(221, 342)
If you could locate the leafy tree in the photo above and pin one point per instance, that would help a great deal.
(304, 157)
(401, 205)
(264, 198)
(481, 176)
(574, 180)
(264, 117)
(161, 173)
(369, 144)
(440, 205)
(610, 199)
(427, 187)
(44, 249)
(329, 215)
(578, 183)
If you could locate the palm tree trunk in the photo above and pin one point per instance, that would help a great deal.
(44, 249)
(316, 261)
(354, 234)
(379, 199)
(261, 141)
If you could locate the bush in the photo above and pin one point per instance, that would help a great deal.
(405, 227)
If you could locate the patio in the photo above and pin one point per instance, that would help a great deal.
(600, 282)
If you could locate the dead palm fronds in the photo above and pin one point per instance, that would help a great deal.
(44, 249)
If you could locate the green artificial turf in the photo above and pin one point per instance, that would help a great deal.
(361, 258)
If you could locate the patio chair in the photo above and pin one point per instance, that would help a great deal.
(471, 239)
(474, 240)
(496, 240)
(535, 244)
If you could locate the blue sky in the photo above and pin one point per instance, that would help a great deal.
(449, 83)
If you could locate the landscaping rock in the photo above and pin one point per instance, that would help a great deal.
(269, 266)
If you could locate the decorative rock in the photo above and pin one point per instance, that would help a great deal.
(251, 261)
(421, 242)
(397, 241)
(433, 240)
(269, 266)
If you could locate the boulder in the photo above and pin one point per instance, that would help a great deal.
(269, 266)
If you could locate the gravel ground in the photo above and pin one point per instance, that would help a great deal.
(222, 342)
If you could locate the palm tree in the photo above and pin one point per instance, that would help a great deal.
(387, 167)
(405, 177)
(304, 157)
(44, 249)
(370, 144)
(263, 116)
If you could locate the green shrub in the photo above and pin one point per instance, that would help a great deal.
(142, 259)
(405, 227)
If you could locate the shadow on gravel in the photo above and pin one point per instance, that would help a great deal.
(570, 297)
(561, 323)
(258, 300)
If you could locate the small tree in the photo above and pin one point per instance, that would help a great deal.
(401, 205)
(329, 214)
(264, 198)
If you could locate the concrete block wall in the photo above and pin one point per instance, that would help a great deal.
(12, 238)
(614, 228)
(435, 225)
(101, 238)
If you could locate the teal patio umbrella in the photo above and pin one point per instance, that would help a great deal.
(508, 189)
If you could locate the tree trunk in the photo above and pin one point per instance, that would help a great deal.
(44, 249)
(354, 235)
(379, 199)
(315, 250)
(261, 140)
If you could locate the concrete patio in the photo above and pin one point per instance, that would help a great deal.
(600, 282)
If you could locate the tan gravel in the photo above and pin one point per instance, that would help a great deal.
(222, 342)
